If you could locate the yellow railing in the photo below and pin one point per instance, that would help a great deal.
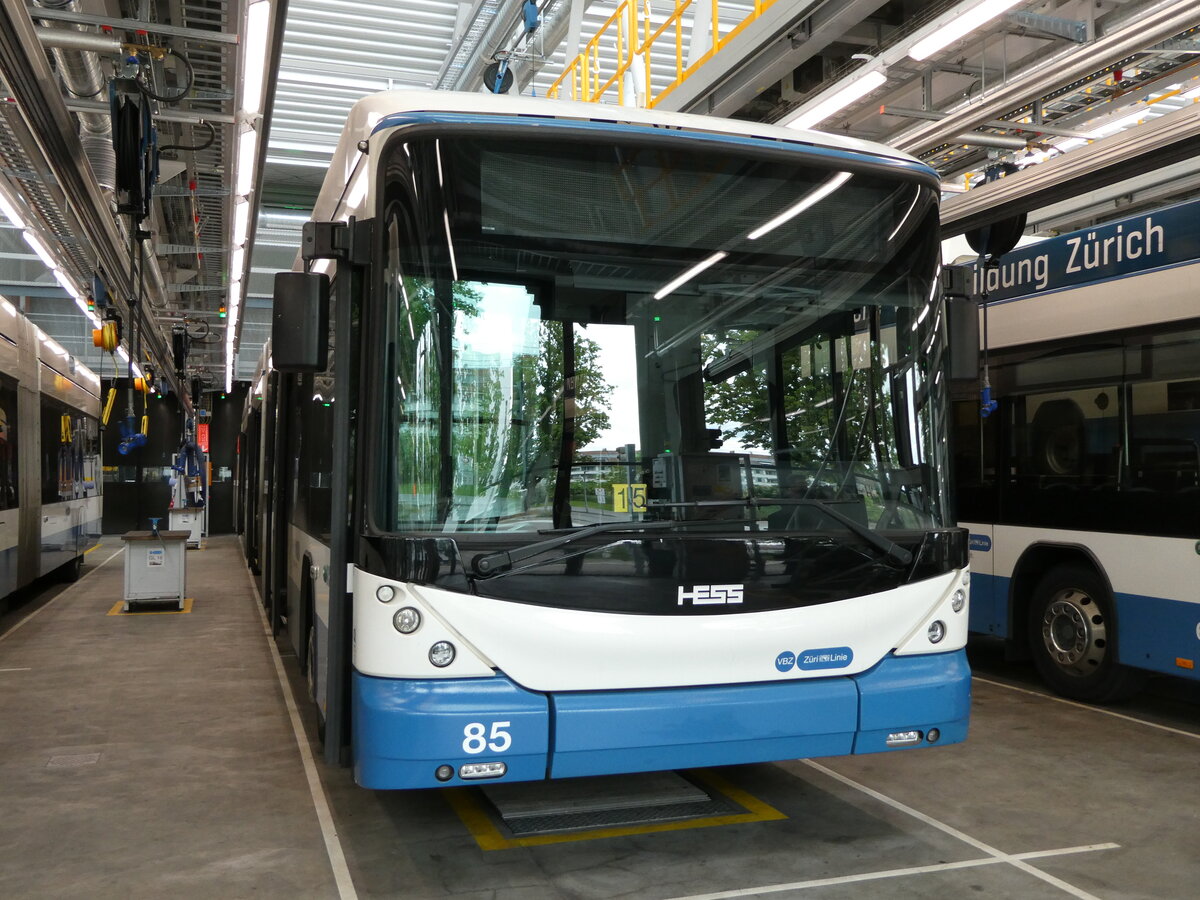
(628, 37)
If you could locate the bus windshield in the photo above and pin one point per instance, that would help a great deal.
(673, 331)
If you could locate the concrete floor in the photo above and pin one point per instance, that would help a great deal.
(153, 756)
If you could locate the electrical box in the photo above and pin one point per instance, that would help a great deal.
(155, 567)
(191, 521)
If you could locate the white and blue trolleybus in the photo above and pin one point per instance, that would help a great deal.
(597, 440)
(1082, 490)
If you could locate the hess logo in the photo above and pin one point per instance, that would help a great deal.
(710, 594)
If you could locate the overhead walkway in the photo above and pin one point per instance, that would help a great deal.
(668, 56)
(152, 755)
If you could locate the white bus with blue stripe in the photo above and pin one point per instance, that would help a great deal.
(50, 503)
(1082, 491)
(643, 456)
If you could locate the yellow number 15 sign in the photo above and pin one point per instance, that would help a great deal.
(629, 498)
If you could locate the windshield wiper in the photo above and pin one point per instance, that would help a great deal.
(889, 548)
(502, 560)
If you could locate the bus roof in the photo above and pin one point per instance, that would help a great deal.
(366, 115)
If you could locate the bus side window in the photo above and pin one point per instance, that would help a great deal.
(1164, 456)
(974, 443)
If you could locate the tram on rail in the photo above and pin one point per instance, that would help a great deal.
(50, 478)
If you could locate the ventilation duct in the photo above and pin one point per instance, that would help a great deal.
(83, 77)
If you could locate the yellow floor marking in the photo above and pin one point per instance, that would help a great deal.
(90, 549)
(488, 837)
(119, 609)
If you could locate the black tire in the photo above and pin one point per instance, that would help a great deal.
(310, 662)
(70, 572)
(1073, 637)
(310, 675)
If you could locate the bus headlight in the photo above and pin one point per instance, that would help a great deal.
(407, 620)
(470, 771)
(959, 600)
(937, 631)
(441, 654)
(385, 593)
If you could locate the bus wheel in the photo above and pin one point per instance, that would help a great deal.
(1072, 633)
(70, 572)
(310, 663)
(310, 676)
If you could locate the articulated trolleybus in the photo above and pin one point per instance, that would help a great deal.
(1081, 490)
(635, 456)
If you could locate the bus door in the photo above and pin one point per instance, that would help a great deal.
(975, 455)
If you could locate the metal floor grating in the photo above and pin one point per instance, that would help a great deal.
(580, 804)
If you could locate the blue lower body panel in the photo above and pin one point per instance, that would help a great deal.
(989, 605)
(1158, 634)
(607, 732)
(914, 693)
(403, 730)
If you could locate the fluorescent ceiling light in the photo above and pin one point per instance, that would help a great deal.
(1069, 144)
(247, 147)
(68, 285)
(855, 90)
(258, 18)
(1117, 125)
(963, 23)
(40, 249)
(237, 262)
(241, 222)
(321, 266)
(229, 355)
(10, 211)
(690, 274)
(810, 199)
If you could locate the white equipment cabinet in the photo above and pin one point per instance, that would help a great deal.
(155, 567)
(191, 520)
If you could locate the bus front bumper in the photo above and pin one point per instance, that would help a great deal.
(404, 731)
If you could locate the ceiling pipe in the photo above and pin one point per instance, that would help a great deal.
(494, 36)
(1002, 141)
(74, 49)
(1172, 138)
(1142, 31)
(84, 42)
